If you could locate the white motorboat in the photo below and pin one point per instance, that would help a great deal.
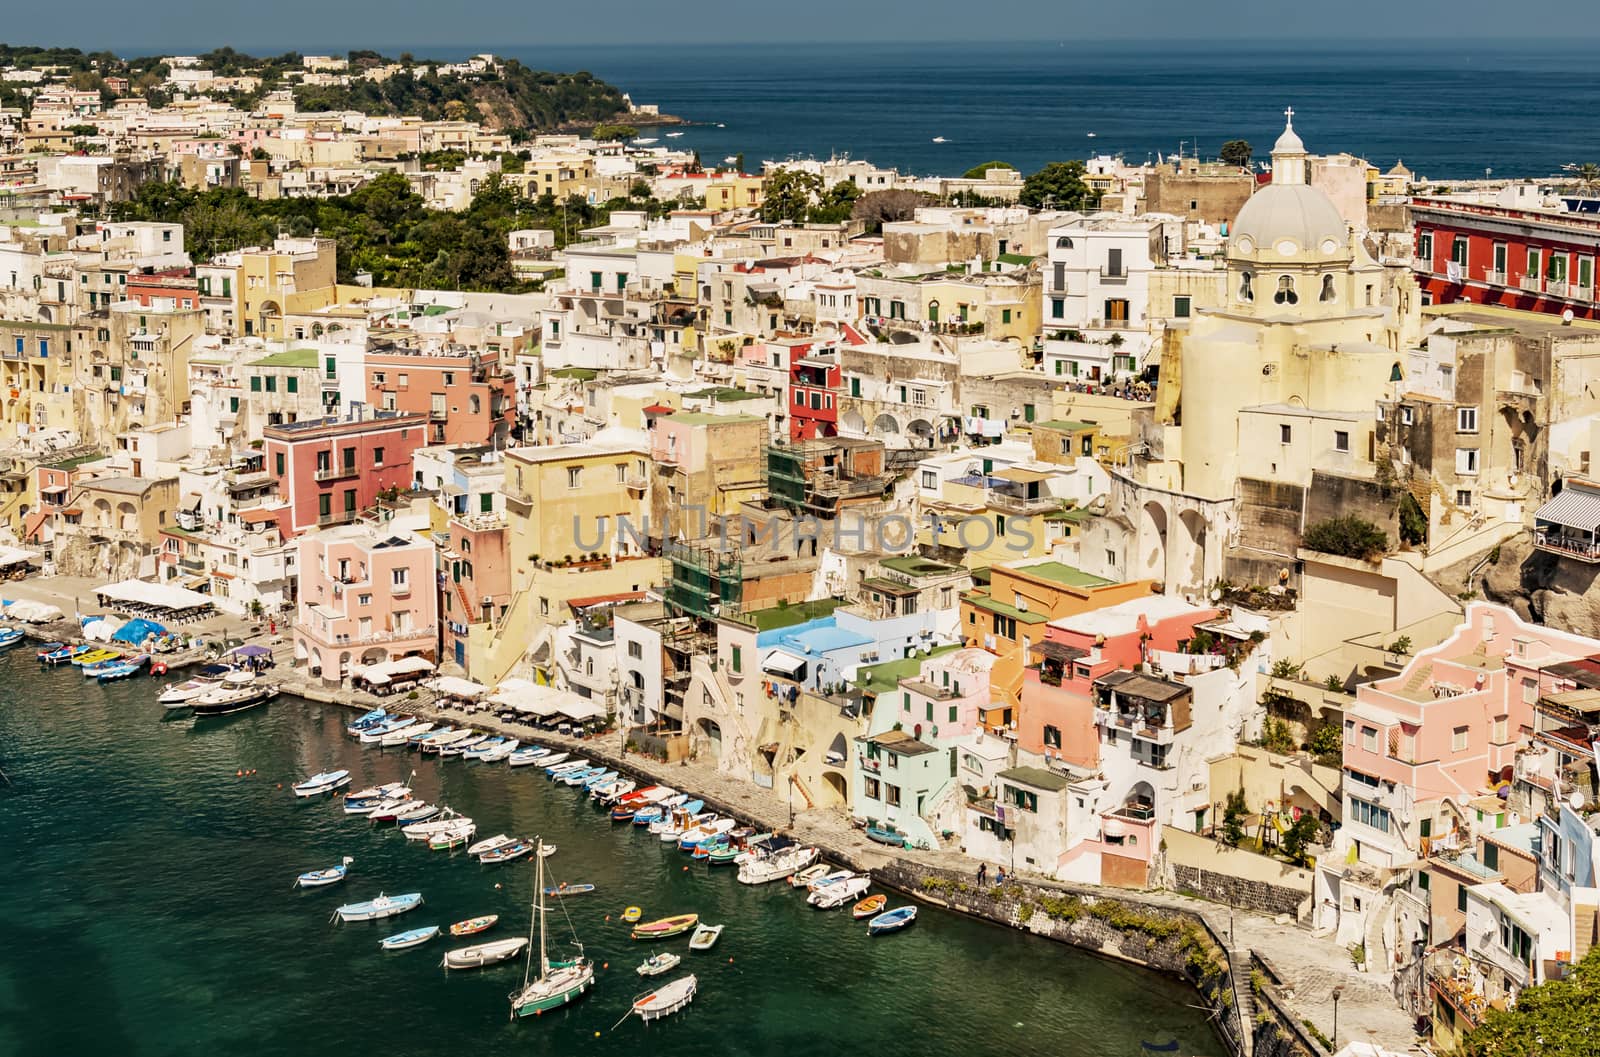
(413, 813)
(177, 696)
(499, 752)
(453, 837)
(446, 819)
(499, 840)
(828, 880)
(236, 692)
(481, 954)
(553, 758)
(837, 895)
(776, 867)
(404, 734)
(317, 784)
(474, 750)
(657, 964)
(433, 746)
(527, 756)
(613, 791)
(666, 999)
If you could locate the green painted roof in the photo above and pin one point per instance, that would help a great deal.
(726, 394)
(1037, 777)
(982, 600)
(799, 613)
(1076, 514)
(916, 565)
(291, 358)
(1065, 425)
(881, 678)
(582, 374)
(1061, 573)
(437, 310)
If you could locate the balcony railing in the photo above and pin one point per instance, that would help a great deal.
(337, 517)
(335, 473)
(1421, 264)
(1495, 278)
(1557, 288)
(1583, 550)
(1025, 505)
(1530, 283)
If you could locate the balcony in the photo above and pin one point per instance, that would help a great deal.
(1530, 283)
(1022, 505)
(437, 414)
(1422, 264)
(1557, 288)
(337, 473)
(337, 517)
(1585, 549)
(1113, 275)
(1495, 278)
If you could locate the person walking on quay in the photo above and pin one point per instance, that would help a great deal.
(1000, 876)
(983, 873)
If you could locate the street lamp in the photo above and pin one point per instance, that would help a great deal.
(1337, 991)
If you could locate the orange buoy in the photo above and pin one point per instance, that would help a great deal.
(238, 774)
(605, 965)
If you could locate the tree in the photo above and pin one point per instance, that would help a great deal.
(738, 162)
(877, 208)
(1058, 185)
(606, 133)
(1350, 536)
(837, 205)
(1299, 836)
(1327, 742)
(1556, 1019)
(1236, 152)
(1413, 522)
(788, 194)
(1588, 175)
(978, 172)
(1233, 816)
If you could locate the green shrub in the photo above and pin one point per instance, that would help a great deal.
(1349, 536)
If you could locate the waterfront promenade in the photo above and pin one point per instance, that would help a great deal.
(1310, 965)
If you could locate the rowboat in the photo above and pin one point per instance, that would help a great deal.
(417, 811)
(704, 832)
(383, 728)
(362, 801)
(95, 655)
(412, 938)
(840, 894)
(10, 637)
(886, 835)
(646, 815)
(594, 781)
(319, 878)
(564, 889)
(662, 928)
(666, 999)
(803, 878)
(361, 723)
(317, 784)
(556, 983)
(473, 926)
(612, 792)
(432, 746)
(579, 776)
(456, 748)
(632, 914)
(564, 766)
(500, 752)
(416, 741)
(53, 653)
(546, 850)
(478, 748)
(830, 880)
(705, 937)
(404, 734)
(93, 670)
(499, 840)
(723, 855)
(446, 819)
(527, 755)
(891, 920)
(623, 813)
(481, 954)
(716, 842)
(507, 853)
(381, 907)
(869, 907)
(454, 837)
(650, 794)
(122, 669)
(553, 758)
(660, 963)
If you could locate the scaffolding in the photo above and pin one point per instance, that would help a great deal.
(703, 579)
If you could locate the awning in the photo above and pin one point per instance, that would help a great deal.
(580, 709)
(400, 666)
(466, 689)
(1572, 508)
(160, 596)
(784, 663)
(1021, 476)
(257, 515)
(16, 556)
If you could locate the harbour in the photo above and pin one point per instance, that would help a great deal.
(184, 891)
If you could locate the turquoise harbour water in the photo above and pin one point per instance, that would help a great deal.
(146, 910)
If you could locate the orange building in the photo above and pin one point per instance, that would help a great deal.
(468, 396)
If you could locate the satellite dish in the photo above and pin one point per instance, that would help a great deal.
(1575, 801)
(1566, 317)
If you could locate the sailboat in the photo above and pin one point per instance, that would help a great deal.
(558, 982)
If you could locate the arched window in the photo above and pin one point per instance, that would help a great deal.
(933, 311)
(1328, 292)
(1063, 243)
(1285, 294)
(475, 404)
(1245, 292)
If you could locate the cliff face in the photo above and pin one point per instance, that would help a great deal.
(1560, 592)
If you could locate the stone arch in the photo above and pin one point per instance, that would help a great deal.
(474, 404)
(838, 750)
(1152, 541)
(1143, 794)
(838, 793)
(344, 665)
(45, 315)
(885, 424)
(300, 652)
(853, 423)
(1192, 572)
(127, 516)
(102, 513)
(920, 433)
(374, 655)
(316, 330)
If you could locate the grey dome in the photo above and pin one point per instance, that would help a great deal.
(1298, 213)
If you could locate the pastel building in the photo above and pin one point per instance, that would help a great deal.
(468, 395)
(367, 594)
(328, 470)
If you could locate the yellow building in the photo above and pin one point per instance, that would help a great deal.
(294, 275)
(1003, 517)
(561, 175)
(1002, 306)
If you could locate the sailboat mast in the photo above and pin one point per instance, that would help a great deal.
(538, 893)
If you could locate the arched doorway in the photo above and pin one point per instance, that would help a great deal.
(712, 732)
(1152, 542)
(1193, 570)
(838, 793)
(885, 425)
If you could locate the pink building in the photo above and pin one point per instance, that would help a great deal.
(1420, 746)
(946, 698)
(477, 572)
(329, 470)
(366, 595)
(468, 396)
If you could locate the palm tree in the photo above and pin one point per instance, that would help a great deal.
(1588, 175)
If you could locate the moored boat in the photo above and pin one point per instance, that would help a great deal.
(664, 928)
(364, 721)
(122, 669)
(481, 954)
(838, 895)
(666, 999)
(53, 653)
(705, 937)
(410, 938)
(500, 752)
(508, 853)
(556, 983)
(553, 758)
(447, 818)
(452, 837)
(384, 906)
(527, 756)
(829, 880)
(434, 745)
(460, 745)
(473, 926)
(765, 868)
(554, 768)
(499, 840)
(414, 812)
(563, 889)
(383, 728)
(891, 920)
(803, 878)
(400, 737)
(235, 693)
(182, 695)
(319, 878)
(658, 963)
(317, 784)
(93, 655)
(869, 907)
(486, 744)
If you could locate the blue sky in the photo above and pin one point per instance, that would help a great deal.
(311, 25)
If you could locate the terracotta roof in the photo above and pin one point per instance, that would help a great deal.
(258, 515)
(659, 409)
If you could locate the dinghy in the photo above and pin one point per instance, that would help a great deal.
(318, 878)
(666, 999)
(414, 812)
(554, 768)
(382, 907)
(803, 878)
(663, 928)
(657, 964)
(891, 921)
(363, 722)
(499, 840)
(527, 756)
(632, 914)
(411, 938)
(446, 819)
(122, 669)
(551, 759)
(53, 653)
(317, 784)
(500, 752)
(378, 731)
(564, 889)
(478, 748)
(481, 954)
(705, 937)
(508, 853)
(400, 737)
(869, 907)
(456, 748)
(473, 926)
(446, 839)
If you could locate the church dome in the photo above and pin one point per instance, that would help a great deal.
(1289, 221)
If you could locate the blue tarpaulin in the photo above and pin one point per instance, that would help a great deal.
(136, 631)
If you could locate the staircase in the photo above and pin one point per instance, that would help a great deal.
(1244, 999)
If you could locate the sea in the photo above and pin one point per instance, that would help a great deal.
(147, 910)
(1450, 110)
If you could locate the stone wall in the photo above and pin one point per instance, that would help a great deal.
(1275, 1032)
(1156, 937)
(1241, 892)
(1334, 495)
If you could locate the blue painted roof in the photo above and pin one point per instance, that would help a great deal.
(827, 639)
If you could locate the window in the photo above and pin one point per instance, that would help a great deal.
(486, 502)
(1341, 440)
(736, 659)
(1349, 732)
(930, 479)
(400, 578)
(1423, 879)
(1369, 814)
(1530, 691)
(891, 793)
(1461, 898)
(277, 461)
(574, 476)
(272, 383)
(1407, 415)
(1533, 262)
(1466, 420)
(1005, 626)
(1181, 306)
(1058, 308)
(1463, 497)
(1285, 433)
(1329, 291)
(1466, 460)
(1052, 737)
(636, 650)
(1500, 261)
(1369, 738)
(1425, 247)
(855, 387)
(869, 788)
(1458, 250)
(1458, 739)
(324, 505)
(1285, 294)
(255, 383)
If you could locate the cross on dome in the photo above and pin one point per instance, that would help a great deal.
(1289, 115)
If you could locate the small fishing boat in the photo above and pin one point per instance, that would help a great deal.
(181, 695)
(869, 907)
(499, 840)
(473, 926)
(632, 914)
(578, 776)
(563, 889)
(830, 880)
(368, 801)
(317, 784)
(650, 794)
(10, 637)
(434, 746)
(414, 812)
(554, 768)
(507, 853)
(612, 792)
(383, 728)
(122, 669)
(386, 810)
(663, 928)
(623, 813)
(527, 756)
(551, 759)
(666, 999)
(839, 894)
(47, 654)
(656, 964)
(448, 818)
(92, 671)
(453, 837)
(891, 921)
(416, 741)
(500, 752)
(93, 655)
(476, 749)
(593, 782)
(400, 737)
(546, 850)
(411, 938)
(382, 907)
(886, 835)
(361, 723)
(646, 815)
(704, 832)
(456, 748)
(803, 878)
(705, 937)
(722, 855)
(481, 954)
(318, 878)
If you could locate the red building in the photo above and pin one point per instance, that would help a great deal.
(329, 470)
(1532, 259)
(468, 396)
(173, 292)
